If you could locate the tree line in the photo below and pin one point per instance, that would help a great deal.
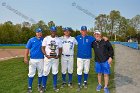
(114, 26)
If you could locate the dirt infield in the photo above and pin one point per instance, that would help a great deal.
(11, 53)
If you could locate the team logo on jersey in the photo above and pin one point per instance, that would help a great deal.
(86, 40)
(52, 42)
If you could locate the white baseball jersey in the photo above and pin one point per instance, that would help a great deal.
(52, 62)
(67, 49)
(68, 45)
(48, 40)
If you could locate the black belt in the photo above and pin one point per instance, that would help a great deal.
(66, 55)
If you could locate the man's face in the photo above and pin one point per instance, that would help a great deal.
(53, 33)
(67, 33)
(83, 32)
(39, 34)
(97, 36)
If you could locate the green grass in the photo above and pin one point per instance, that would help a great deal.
(13, 79)
(12, 47)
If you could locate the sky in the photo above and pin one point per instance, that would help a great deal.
(68, 13)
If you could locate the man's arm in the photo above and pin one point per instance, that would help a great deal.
(105, 38)
(43, 50)
(110, 51)
(26, 56)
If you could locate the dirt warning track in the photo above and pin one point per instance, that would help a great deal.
(11, 53)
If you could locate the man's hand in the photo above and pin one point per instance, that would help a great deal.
(105, 38)
(58, 56)
(26, 61)
(110, 60)
(49, 56)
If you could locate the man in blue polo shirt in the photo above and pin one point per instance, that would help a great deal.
(36, 58)
(84, 54)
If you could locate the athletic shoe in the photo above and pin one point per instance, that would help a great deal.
(79, 87)
(29, 90)
(106, 90)
(63, 85)
(85, 84)
(39, 88)
(42, 90)
(56, 89)
(98, 88)
(70, 85)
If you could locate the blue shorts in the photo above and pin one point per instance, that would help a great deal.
(102, 67)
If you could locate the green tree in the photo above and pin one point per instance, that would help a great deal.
(51, 23)
(114, 21)
(101, 22)
(135, 22)
(59, 31)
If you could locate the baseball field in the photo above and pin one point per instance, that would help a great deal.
(13, 78)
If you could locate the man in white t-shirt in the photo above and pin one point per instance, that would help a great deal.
(67, 59)
(52, 49)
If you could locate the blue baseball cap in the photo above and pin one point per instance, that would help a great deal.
(63, 29)
(38, 30)
(84, 28)
(53, 28)
(66, 29)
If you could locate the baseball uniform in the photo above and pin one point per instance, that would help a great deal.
(67, 57)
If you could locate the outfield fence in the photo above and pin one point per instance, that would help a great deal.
(134, 45)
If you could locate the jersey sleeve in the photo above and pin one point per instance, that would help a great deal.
(76, 37)
(44, 42)
(75, 42)
(92, 39)
(29, 44)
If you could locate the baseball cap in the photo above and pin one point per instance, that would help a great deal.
(66, 29)
(38, 30)
(84, 28)
(97, 32)
(53, 28)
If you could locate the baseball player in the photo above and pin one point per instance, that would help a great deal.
(52, 49)
(103, 58)
(84, 54)
(36, 58)
(67, 59)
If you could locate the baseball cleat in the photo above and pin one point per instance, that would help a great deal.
(79, 88)
(29, 90)
(85, 84)
(42, 90)
(39, 88)
(56, 89)
(63, 85)
(70, 85)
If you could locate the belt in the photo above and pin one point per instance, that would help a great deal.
(67, 55)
